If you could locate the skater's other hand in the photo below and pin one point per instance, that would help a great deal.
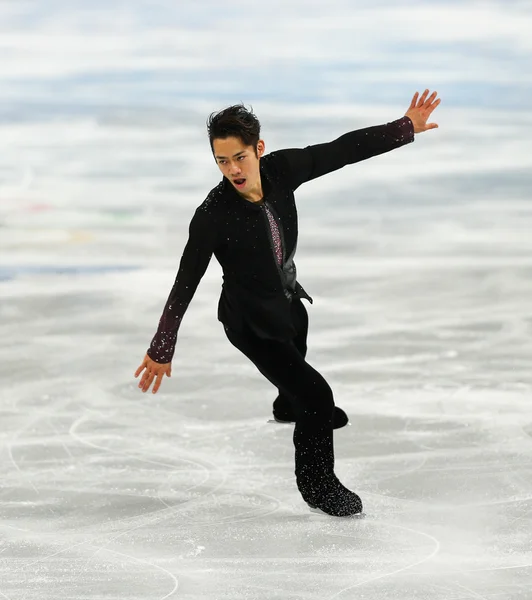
(153, 370)
(420, 110)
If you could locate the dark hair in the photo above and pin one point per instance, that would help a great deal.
(234, 121)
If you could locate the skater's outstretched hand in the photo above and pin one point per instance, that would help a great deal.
(420, 110)
(153, 370)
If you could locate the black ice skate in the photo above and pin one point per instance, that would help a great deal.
(328, 495)
(283, 413)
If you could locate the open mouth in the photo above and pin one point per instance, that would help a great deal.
(239, 182)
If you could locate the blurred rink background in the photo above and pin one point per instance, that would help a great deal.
(419, 262)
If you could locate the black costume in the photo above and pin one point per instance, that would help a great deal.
(260, 303)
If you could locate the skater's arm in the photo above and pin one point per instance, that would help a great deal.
(305, 164)
(194, 262)
(314, 161)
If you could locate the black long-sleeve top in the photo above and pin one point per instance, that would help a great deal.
(256, 290)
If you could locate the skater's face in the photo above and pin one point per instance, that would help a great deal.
(240, 164)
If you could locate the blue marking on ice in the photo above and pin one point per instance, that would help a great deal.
(10, 273)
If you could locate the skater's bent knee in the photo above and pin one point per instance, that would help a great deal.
(319, 402)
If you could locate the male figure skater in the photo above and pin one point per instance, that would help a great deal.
(249, 222)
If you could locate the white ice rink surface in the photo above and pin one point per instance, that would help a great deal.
(419, 262)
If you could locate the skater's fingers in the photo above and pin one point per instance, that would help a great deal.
(157, 383)
(143, 365)
(145, 381)
(148, 383)
(169, 371)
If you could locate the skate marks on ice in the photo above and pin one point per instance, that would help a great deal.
(208, 498)
(100, 541)
(427, 558)
(192, 513)
(196, 499)
(70, 551)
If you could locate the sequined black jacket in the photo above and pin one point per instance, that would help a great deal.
(256, 292)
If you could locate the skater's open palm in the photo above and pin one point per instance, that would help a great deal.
(420, 110)
(152, 370)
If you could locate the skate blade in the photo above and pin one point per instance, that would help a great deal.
(279, 422)
(318, 511)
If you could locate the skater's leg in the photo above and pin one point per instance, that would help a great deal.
(313, 403)
(310, 395)
(282, 405)
(283, 410)
(300, 320)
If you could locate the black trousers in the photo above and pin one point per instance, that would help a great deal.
(284, 365)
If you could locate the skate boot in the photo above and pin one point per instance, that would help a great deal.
(327, 494)
(283, 413)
